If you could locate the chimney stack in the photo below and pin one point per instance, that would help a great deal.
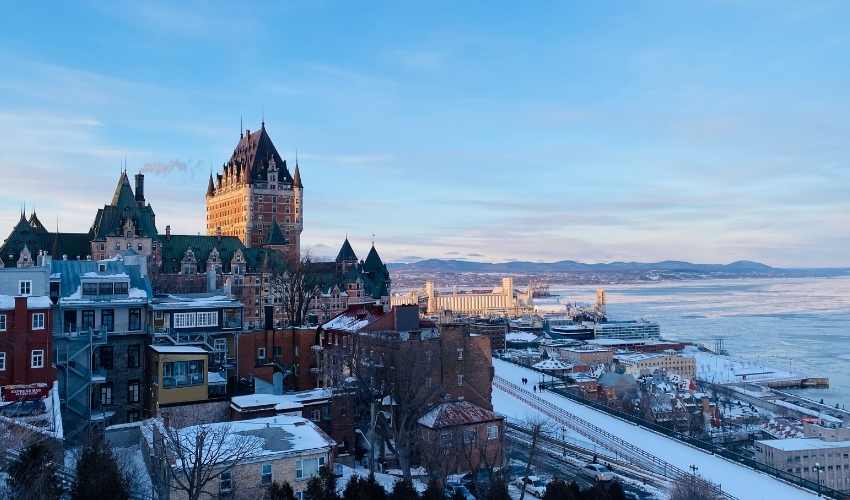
(140, 189)
(168, 231)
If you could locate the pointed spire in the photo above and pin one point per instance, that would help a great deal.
(296, 179)
(210, 186)
(241, 127)
(346, 253)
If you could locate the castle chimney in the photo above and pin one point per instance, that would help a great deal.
(168, 231)
(140, 189)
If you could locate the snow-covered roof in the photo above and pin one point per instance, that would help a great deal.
(347, 323)
(178, 349)
(193, 301)
(281, 402)
(801, 444)
(552, 364)
(272, 436)
(215, 378)
(452, 413)
(520, 336)
(7, 302)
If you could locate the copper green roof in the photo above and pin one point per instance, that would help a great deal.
(276, 236)
(346, 253)
(110, 219)
(74, 245)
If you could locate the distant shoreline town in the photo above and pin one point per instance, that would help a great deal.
(567, 272)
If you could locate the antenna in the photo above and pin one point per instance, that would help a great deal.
(241, 128)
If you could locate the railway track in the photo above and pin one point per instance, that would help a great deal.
(623, 451)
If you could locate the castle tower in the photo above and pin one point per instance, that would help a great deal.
(253, 193)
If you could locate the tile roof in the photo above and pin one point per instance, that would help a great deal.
(454, 413)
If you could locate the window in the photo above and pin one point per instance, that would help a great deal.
(106, 393)
(225, 482)
(37, 359)
(132, 416)
(69, 322)
(2, 361)
(89, 288)
(470, 436)
(133, 391)
(198, 319)
(38, 321)
(220, 345)
(316, 415)
(445, 439)
(182, 373)
(459, 354)
(133, 356)
(135, 320)
(106, 357)
(261, 353)
(278, 351)
(120, 288)
(308, 467)
(266, 474)
(2, 322)
(107, 320)
(25, 287)
(105, 288)
(459, 379)
(88, 320)
(492, 432)
(232, 318)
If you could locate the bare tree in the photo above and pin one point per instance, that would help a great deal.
(296, 289)
(192, 457)
(410, 395)
(692, 487)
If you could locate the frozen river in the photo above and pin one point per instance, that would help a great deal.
(800, 325)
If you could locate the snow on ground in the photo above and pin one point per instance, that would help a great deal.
(726, 370)
(744, 483)
(386, 480)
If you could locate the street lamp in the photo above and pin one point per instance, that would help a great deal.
(818, 469)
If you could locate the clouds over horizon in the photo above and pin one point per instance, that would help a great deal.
(680, 132)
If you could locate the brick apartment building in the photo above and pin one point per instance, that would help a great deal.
(26, 322)
(457, 436)
(451, 359)
(279, 358)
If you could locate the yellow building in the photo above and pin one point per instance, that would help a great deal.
(648, 363)
(178, 375)
(503, 300)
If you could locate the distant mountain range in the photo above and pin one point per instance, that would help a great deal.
(737, 268)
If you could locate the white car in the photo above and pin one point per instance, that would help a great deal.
(599, 472)
(535, 485)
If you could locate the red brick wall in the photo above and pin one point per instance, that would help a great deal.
(294, 346)
(18, 342)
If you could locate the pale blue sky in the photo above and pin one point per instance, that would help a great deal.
(596, 131)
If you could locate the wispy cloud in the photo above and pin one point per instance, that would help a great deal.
(165, 168)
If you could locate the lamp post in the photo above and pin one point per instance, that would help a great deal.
(817, 469)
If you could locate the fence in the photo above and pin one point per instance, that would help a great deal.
(708, 446)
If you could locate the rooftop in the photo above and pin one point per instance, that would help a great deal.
(7, 302)
(178, 349)
(801, 444)
(452, 413)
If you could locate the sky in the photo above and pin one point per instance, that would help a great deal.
(594, 131)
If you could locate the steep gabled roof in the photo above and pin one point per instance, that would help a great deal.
(373, 261)
(296, 179)
(346, 253)
(110, 219)
(36, 224)
(123, 192)
(252, 155)
(454, 413)
(174, 248)
(276, 236)
(74, 245)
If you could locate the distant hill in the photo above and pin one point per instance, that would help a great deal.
(741, 267)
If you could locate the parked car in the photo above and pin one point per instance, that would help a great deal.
(534, 485)
(599, 472)
(451, 490)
